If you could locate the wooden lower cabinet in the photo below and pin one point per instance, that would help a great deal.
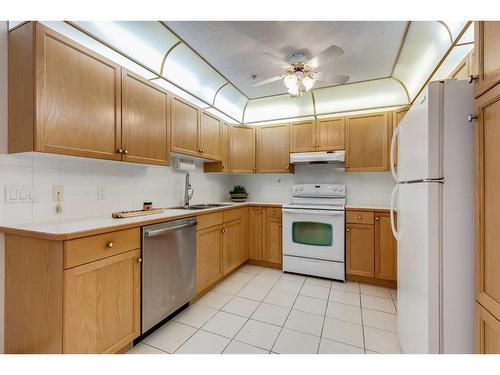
(361, 245)
(101, 304)
(208, 257)
(371, 249)
(232, 246)
(385, 249)
(256, 231)
(273, 241)
(487, 332)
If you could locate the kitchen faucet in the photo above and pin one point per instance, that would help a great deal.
(188, 192)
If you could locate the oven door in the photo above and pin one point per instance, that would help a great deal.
(317, 234)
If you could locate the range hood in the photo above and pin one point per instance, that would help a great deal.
(319, 157)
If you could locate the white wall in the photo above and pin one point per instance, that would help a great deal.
(362, 188)
(3, 148)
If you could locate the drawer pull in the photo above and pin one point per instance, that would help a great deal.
(377, 218)
(360, 217)
(110, 244)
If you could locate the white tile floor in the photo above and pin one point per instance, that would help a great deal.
(262, 310)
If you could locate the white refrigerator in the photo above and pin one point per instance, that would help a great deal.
(434, 226)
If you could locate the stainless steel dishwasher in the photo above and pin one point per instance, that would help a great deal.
(168, 269)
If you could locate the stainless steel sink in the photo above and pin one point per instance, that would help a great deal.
(202, 206)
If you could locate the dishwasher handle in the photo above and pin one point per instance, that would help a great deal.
(159, 232)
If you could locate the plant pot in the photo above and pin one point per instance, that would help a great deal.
(239, 197)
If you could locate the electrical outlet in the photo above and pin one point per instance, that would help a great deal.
(101, 195)
(58, 193)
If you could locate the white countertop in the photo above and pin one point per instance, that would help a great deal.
(78, 227)
(366, 206)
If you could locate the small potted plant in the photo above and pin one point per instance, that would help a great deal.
(238, 194)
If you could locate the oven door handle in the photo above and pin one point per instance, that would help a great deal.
(313, 212)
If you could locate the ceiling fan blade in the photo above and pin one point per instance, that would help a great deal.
(332, 79)
(324, 56)
(266, 81)
(273, 59)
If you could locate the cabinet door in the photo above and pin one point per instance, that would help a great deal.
(101, 304)
(273, 240)
(256, 233)
(145, 121)
(330, 134)
(208, 257)
(385, 248)
(185, 119)
(225, 149)
(78, 99)
(273, 149)
(397, 116)
(302, 137)
(210, 136)
(487, 34)
(488, 200)
(232, 241)
(367, 143)
(243, 149)
(487, 332)
(360, 250)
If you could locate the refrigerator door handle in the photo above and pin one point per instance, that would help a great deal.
(395, 135)
(395, 233)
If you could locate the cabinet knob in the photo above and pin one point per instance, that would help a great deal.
(110, 244)
(259, 211)
(223, 231)
(347, 230)
(274, 212)
(279, 225)
(360, 217)
(377, 218)
(472, 78)
(120, 151)
(471, 118)
(125, 152)
(347, 165)
(139, 260)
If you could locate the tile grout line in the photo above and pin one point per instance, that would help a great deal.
(362, 321)
(288, 315)
(324, 317)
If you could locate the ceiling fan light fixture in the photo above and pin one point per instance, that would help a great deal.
(290, 82)
(294, 91)
(308, 82)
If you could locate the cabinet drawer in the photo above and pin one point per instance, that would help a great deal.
(273, 212)
(209, 220)
(90, 249)
(235, 214)
(360, 217)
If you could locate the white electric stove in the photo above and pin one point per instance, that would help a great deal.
(314, 231)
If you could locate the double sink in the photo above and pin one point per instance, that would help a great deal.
(203, 206)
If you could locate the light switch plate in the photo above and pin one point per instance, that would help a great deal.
(10, 194)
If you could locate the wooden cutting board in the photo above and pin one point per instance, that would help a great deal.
(124, 214)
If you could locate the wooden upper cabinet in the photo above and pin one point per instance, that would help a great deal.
(360, 250)
(487, 35)
(367, 142)
(243, 149)
(385, 248)
(273, 149)
(487, 200)
(210, 136)
(302, 136)
(76, 92)
(101, 304)
(397, 116)
(330, 134)
(185, 120)
(224, 165)
(145, 121)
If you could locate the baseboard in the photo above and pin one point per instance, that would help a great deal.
(370, 280)
(264, 264)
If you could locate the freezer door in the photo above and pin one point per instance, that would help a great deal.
(418, 265)
(420, 137)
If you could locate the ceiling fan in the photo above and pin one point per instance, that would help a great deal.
(300, 74)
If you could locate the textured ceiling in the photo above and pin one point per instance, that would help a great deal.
(234, 48)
